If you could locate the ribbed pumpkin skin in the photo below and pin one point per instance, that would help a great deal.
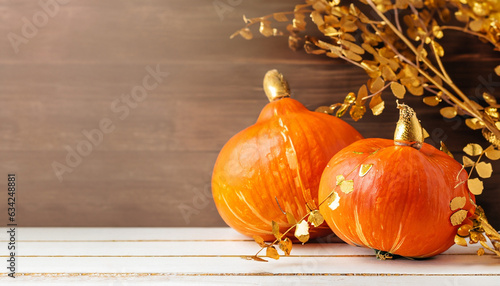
(281, 156)
(402, 204)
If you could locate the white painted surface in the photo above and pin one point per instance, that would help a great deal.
(155, 256)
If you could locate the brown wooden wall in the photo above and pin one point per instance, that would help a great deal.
(76, 68)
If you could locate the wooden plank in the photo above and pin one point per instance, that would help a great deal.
(114, 234)
(351, 280)
(170, 242)
(140, 256)
(441, 265)
(194, 248)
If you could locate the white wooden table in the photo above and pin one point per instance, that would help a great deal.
(154, 256)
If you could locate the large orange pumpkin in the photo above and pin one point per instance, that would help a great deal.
(276, 163)
(398, 196)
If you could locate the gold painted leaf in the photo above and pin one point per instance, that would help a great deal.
(448, 112)
(484, 170)
(310, 48)
(317, 18)
(445, 149)
(476, 25)
(277, 32)
(259, 240)
(388, 74)
(246, 33)
(457, 203)
(353, 47)
(315, 218)
(286, 246)
(438, 33)
(432, 100)
(492, 112)
(467, 162)
(342, 110)
(255, 258)
(490, 137)
(280, 17)
(398, 90)
(458, 217)
(497, 70)
(357, 112)
(331, 32)
(460, 240)
(490, 99)
(352, 55)
(265, 28)
(462, 17)
(474, 123)
(473, 149)
(476, 236)
(377, 105)
(332, 54)
(348, 37)
(293, 42)
(480, 252)
(463, 230)
(290, 218)
(339, 179)
(362, 93)
(369, 48)
(347, 26)
(302, 231)
(438, 48)
(350, 98)
(376, 85)
(333, 107)
(444, 14)
(363, 170)
(492, 153)
(271, 252)
(415, 90)
(299, 22)
(475, 186)
(333, 201)
(276, 229)
(371, 68)
(347, 186)
(401, 4)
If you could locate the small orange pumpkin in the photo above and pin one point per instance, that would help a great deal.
(276, 163)
(401, 197)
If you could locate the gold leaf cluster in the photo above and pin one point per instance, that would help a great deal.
(483, 169)
(479, 231)
(284, 243)
(398, 45)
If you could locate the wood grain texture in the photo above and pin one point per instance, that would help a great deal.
(155, 256)
(158, 160)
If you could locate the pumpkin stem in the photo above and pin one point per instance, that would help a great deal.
(275, 86)
(408, 132)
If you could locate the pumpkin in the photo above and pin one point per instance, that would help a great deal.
(275, 165)
(400, 196)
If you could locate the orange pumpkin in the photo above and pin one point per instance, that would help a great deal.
(276, 163)
(398, 196)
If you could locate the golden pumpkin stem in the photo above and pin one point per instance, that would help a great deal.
(275, 86)
(408, 132)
